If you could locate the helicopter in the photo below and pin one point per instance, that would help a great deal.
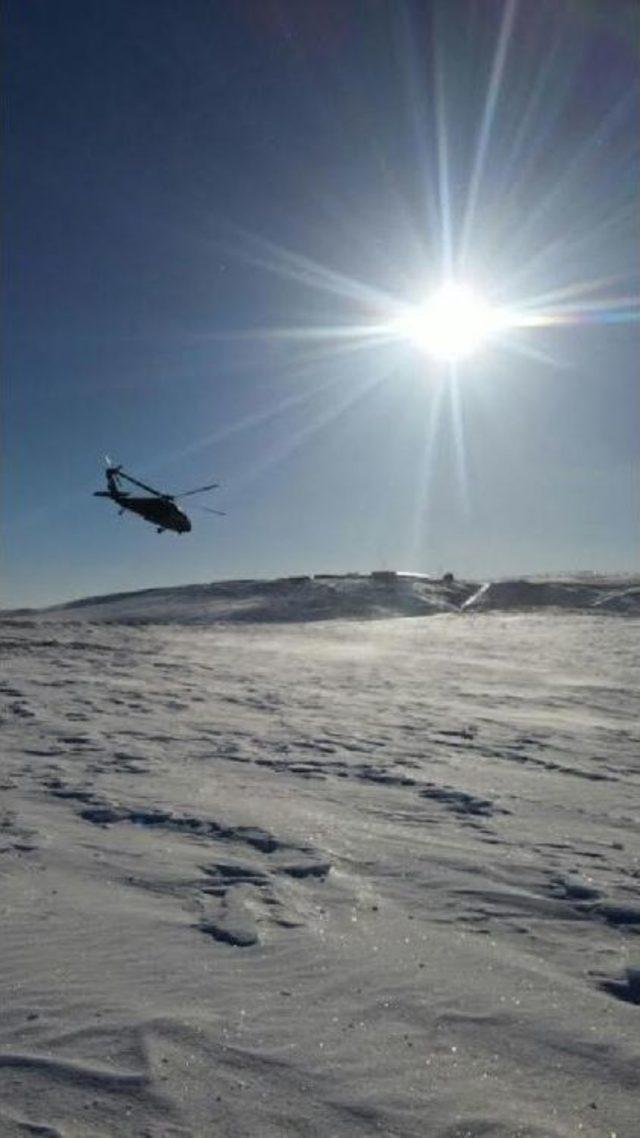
(160, 509)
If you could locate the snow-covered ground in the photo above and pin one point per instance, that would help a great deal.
(335, 878)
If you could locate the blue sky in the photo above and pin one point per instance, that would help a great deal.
(208, 206)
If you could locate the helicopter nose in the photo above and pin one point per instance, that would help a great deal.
(186, 525)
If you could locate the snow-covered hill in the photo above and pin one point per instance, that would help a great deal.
(596, 594)
(348, 596)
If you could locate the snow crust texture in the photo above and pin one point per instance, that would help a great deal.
(330, 879)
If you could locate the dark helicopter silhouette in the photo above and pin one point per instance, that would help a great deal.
(160, 509)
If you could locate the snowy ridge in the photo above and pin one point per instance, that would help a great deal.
(350, 596)
(599, 594)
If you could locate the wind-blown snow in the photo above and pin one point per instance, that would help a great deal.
(348, 596)
(345, 878)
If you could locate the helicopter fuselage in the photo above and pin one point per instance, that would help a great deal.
(160, 511)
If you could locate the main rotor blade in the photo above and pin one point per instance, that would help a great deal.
(198, 490)
(142, 485)
(210, 510)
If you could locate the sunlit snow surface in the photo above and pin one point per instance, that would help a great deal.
(342, 877)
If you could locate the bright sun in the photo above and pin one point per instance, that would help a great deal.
(451, 324)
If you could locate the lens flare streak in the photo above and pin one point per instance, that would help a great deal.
(534, 239)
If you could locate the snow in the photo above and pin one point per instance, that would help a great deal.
(575, 593)
(349, 596)
(268, 873)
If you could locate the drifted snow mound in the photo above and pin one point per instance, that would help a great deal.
(621, 600)
(294, 599)
(343, 597)
(596, 595)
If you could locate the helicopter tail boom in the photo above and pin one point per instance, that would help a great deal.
(160, 509)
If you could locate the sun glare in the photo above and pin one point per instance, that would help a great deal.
(451, 324)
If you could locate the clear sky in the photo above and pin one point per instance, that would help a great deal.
(215, 212)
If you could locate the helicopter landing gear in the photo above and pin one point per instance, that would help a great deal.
(159, 529)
